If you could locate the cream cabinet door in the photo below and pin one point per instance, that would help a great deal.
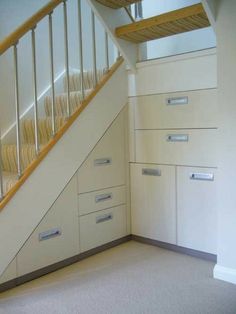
(191, 109)
(105, 166)
(178, 147)
(153, 202)
(57, 236)
(197, 208)
(102, 227)
(9, 273)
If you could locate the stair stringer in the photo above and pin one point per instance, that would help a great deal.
(31, 202)
(111, 19)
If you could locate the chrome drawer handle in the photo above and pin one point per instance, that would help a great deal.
(104, 218)
(103, 197)
(49, 234)
(102, 161)
(202, 176)
(177, 101)
(177, 138)
(151, 172)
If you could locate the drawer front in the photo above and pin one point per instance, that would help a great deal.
(196, 109)
(57, 236)
(102, 227)
(102, 199)
(197, 208)
(178, 147)
(153, 208)
(105, 166)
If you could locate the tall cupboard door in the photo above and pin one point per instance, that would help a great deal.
(153, 202)
(197, 208)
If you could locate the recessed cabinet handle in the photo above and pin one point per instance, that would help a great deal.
(177, 101)
(49, 234)
(151, 172)
(103, 197)
(177, 138)
(102, 161)
(104, 218)
(202, 176)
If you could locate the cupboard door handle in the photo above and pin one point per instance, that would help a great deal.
(177, 138)
(49, 234)
(102, 161)
(151, 172)
(104, 218)
(177, 101)
(103, 197)
(202, 176)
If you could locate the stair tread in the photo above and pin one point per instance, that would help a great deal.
(164, 25)
(117, 4)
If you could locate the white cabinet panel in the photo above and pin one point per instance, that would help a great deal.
(102, 227)
(153, 202)
(191, 109)
(105, 166)
(102, 199)
(197, 208)
(10, 272)
(179, 147)
(57, 236)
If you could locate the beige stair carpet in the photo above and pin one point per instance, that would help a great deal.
(132, 278)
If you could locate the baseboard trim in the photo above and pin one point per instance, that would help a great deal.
(176, 248)
(225, 274)
(54, 267)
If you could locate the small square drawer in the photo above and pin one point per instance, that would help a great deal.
(102, 199)
(102, 227)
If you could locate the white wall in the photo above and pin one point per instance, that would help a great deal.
(225, 26)
(181, 43)
(21, 10)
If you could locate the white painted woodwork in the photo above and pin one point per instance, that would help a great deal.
(9, 273)
(154, 111)
(102, 199)
(110, 20)
(153, 203)
(190, 71)
(197, 210)
(47, 181)
(36, 254)
(152, 146)
(92, 176)
(210, 9)
(93, 234)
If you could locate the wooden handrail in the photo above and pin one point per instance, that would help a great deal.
(15, 36)
(59, 134)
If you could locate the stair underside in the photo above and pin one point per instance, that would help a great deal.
(117, 4)
(171, 23)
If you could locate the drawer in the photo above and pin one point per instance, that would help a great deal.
(105, 166)
(153, 208)
(192, 109)
(197, 208)
(102, 199)
(178, 147)
(102, 227)
(9, 273)
(57, 236)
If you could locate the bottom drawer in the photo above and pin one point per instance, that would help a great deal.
(102, 227)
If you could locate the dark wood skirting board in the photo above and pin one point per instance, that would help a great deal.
(74, 259)
(176, 248)
(69, 261)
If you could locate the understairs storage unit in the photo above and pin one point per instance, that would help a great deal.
(90, 212)
(170, 23)
(174, 164)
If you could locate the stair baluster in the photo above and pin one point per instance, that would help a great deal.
(81, 61)
(106, 51)
(94, 48)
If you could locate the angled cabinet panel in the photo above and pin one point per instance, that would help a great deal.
(197, 208)
(105, 166)
(153, 205)
(56, 237)
(10, 273)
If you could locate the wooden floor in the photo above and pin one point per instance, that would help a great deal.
(171, 23)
